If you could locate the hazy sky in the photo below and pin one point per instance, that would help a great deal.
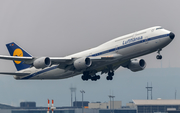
(63, 27)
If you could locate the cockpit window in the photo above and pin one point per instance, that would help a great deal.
(158, 28)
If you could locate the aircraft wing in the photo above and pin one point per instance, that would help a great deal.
(12, 73)
(67, 63)
(58, 60)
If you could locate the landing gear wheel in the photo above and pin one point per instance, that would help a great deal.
(159, 57)
(109, 77)
(84, 78)
(94, 78)
(98, 77)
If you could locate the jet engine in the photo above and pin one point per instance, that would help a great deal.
(82, 63)
(137, 65)
(42, 62)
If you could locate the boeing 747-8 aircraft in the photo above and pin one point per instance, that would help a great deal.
(106, 58)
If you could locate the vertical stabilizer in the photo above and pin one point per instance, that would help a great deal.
(15, 50)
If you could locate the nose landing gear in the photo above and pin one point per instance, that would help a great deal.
(159, 56)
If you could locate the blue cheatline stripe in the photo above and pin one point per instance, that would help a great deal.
(100, 53)
(39, 72)
(128, 45)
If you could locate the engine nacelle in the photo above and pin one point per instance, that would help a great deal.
(82, 63)
(137, 65)
(42, 62)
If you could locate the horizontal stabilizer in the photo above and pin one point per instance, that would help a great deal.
(12, 73)
(15, 58)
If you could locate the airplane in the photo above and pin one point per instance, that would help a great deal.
(105, 58)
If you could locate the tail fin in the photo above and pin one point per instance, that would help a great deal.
(15, 50)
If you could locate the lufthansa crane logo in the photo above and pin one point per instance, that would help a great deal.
(18, 52)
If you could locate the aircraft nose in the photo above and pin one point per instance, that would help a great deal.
(172, 35)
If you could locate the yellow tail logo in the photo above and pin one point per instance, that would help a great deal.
(18, 52)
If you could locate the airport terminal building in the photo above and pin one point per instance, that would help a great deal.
(137, 106)
(157, 106)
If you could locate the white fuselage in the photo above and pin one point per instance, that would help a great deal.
(128, 46)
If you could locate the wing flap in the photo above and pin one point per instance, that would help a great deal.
(58, 60)
(106, 57)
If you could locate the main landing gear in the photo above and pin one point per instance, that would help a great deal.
(110, 75)
(86, 76)
(159, 56)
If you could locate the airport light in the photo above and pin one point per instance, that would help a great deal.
(149, 89)
(82, 91)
